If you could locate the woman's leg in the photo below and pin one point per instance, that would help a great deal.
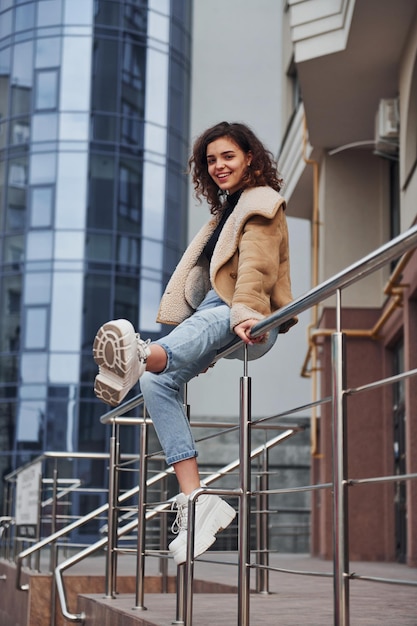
(187, 351)
(187, 475)
(190, 348)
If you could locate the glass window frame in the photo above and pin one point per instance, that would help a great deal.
(38, 73)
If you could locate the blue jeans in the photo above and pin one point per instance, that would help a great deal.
(191, 347)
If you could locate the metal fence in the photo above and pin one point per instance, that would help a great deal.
(122, 519)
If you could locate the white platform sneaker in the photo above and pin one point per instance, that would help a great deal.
(212, 514)
(121, 356)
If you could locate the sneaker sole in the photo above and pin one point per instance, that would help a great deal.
(220, 517)
(113, 355)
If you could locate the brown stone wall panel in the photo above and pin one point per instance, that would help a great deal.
(410, 345)
(369, 428)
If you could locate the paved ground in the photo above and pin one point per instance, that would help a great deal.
(294, 600)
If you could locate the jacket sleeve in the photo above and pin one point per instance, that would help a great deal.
(258, 267)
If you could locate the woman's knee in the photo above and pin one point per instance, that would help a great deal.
(146, 382)
(150, 382)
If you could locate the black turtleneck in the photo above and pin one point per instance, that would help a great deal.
(229, 205)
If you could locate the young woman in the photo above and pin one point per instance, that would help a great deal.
(234, 273)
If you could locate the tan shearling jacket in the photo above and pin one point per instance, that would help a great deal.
(249, 269)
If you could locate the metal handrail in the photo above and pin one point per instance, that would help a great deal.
(353, 273)
(347, 277)
(156, 510)
(333, 286)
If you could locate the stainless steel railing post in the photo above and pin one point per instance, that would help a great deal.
(53, 557)
(163, 539)
(180, 606)
(340, 497)
(245, 418)
(189, 562)
(143, 471)
(185, 572)
(262, 530)
(112, 513)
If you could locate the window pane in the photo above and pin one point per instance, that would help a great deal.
(18, 173)
(10, 305)
(152, 254)
(33, 368)
(105, 56)
(132, 127)
(16, 209)
(130, 188)
(25, 17)
(45, 127)
(104, 127)
(49, 13)
(31, 421)
(22, 64)
(133, 70)
(107, 13)
(6, 24)
(36, 328)
(99, 248)
(21, 100)
(47, 51)
(39, 245)
(97, 305)
(41, 207)
(20, 130)
(78, 12)
(5, 4)
(128, 251)
(32, 392)
(13, 250)
(150, 294)
(47, 89)
(64, 368)
(126, 298)
(101, 200)
(42, 168)
(15, 217)
(37, 288)
(135, 17)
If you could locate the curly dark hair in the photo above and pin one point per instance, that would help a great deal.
(263, 170)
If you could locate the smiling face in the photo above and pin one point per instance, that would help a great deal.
(227, 163)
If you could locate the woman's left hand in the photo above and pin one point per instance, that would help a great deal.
(243, 329)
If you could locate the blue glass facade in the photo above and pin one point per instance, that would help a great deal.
(94, 104)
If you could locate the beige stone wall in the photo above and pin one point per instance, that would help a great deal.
(353, 219)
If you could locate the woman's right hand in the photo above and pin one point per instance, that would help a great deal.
(243, 330)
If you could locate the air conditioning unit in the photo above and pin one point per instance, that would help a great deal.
(387, 126)
(388, 118)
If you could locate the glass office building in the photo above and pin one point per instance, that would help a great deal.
(94, 104)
